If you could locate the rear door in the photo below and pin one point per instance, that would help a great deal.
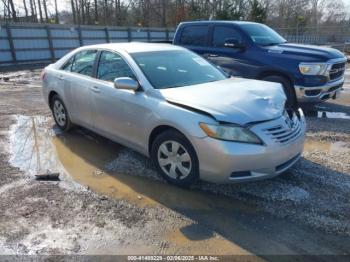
(195, 38)
(78, 83)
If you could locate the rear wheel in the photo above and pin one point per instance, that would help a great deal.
(288, 90)
(175, 158)
(60, 113)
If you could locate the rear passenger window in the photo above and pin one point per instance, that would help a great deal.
(112, 66)
(194, 35)
(84, 62)
(222, 33)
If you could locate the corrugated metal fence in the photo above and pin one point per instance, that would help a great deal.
(33, 43)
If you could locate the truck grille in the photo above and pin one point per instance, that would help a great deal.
(337, 71)
(286, 132)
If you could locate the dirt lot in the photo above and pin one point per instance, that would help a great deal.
(109, 200)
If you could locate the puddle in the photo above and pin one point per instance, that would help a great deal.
(201, 222)
(31, 145)
(101, 165)
(332, 147)
(105, 168)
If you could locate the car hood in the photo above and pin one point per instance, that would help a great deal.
(307, 52)
(233, 100)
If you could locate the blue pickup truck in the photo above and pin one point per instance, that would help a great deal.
(252, 50)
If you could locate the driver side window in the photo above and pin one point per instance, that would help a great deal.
(112, 66)
(222, 33)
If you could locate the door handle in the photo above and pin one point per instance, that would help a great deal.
(95, 89)
(60, 77)
(212, 55)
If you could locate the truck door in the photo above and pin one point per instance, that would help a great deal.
(234, 61)
(195, 38)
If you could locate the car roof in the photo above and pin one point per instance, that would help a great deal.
(236, 22)
(134, 47)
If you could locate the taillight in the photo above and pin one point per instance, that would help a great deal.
(42, 75)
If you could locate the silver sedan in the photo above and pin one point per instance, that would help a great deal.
(193, 120)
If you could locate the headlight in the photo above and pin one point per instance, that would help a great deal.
(230, 133)
(313, 68)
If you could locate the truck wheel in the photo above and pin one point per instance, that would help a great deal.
(175, 158)
(288, 90)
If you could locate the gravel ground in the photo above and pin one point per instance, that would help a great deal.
(306, 211)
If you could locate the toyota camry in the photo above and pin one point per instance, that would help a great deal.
(192, 119)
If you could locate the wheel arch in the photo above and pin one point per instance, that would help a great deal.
(50, 97)
(275, 73)
(157, 131)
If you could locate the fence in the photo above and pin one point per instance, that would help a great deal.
(336, 36)
(33, 43)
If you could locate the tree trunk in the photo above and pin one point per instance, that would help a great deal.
(13, 10)
(45, 10)
(56, 13)
(25, 8)
(105, 6)
(40, 11)
(117, 12)
(96, 12)
(73, 12)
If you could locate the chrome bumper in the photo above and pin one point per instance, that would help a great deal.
(327, 91)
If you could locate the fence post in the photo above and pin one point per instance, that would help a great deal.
(108, 40)
(10, 39)
(129, 34)
(80, 36)
(49, 38)
(148, 35)
(166, 34)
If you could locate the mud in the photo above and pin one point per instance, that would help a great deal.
(109, 199)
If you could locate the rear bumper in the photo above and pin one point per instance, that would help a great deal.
(319, 93)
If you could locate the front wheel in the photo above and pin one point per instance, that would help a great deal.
(175, 158)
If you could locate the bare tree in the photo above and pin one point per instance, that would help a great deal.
(25, 8)
(40, 11)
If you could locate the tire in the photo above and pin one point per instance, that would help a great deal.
(60, 113)
(181, 167)
(288, 90)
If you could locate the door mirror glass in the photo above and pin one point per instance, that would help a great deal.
(234, 43)
(126, 83)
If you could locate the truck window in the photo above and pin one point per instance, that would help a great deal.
(222, 33)
(194, 35)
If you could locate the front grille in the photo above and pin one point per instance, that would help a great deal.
(285, 132)
(314, 92)
(337, 71)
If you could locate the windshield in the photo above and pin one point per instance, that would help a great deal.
(168, 69)
(262, 34)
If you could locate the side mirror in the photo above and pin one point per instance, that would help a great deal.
(126, 83)
(234, 43)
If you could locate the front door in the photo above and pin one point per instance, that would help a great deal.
(232, 60)
(117, 114)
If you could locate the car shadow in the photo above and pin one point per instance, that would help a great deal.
(239, 218)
